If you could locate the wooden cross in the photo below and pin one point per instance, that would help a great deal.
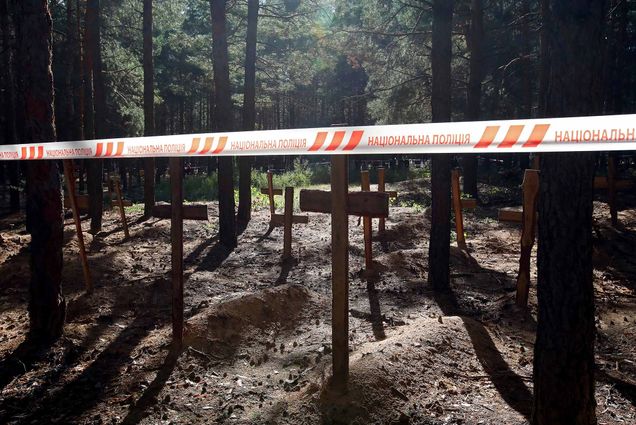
(115, 181)
(286, 220)
(460, 204)
(69, 175)
(340, 204)
(367, 221)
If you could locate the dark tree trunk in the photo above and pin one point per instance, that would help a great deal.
(473, 112)
(225, 122)
(564, 349)
(47, 306)
(439, 247)
(8, 105)
(94, 111)
(249, 111)
(149, 108)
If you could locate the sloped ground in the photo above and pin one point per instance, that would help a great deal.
(258, 332)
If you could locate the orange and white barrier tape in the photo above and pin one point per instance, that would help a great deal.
(603, 133)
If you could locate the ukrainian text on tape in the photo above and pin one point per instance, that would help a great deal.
(602, 133)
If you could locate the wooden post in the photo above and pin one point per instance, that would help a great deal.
(289, 221)
(70, 186)
(611, 187)
(120, 201)
(270, 187)
(340, 272)
(366, 223)
(381, 188)
(176, 237)
(529, 220)
(457, 207)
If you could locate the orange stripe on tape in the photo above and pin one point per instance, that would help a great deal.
(23, 153)
(32, 152)
(337, 140)
(195, 145)
(100, 148)
(356, 137)
(512, 137)
(109, 149)
(120, 148)
(537, 136)
(488, 137)
(222, 142)
(40, 152)
(208, 145)
(320, 140)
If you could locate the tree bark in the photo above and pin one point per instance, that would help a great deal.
(439, 248)
(8, 105)
(249, 111)
(149, 108)
(564, 349)
(96, 108)
(475, 39)
(47, 306)
(225, 122)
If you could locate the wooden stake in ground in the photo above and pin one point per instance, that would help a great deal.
(529, 220)
(381, 188)
(457, 207)
(340, 204)
(340, 271)
(176, 239)
(366, 224)
(289, 220)
(120, 202)
(70, 186)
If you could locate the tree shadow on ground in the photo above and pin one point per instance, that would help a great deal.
(139, 410)
(626, 389)
(510, 386)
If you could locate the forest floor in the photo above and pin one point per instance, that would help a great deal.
(258, 332)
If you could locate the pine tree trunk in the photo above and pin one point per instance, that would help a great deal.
(564, 349)
(149, 114)
(473, 112)
(9, 105)
(225, 122)
(94, 112)
(47, 306)
(439, 247)
(249, 112)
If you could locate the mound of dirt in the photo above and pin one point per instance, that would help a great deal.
(244, 319)
(418, 375)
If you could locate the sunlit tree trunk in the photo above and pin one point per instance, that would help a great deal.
(439, 247)
(225, 122)
(47, 306)
(564, 349)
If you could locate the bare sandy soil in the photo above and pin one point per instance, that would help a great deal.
(258, 332)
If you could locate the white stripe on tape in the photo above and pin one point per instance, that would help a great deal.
(603, 133)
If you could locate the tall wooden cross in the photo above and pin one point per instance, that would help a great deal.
(340, 204)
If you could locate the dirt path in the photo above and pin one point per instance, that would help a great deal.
(259, 332)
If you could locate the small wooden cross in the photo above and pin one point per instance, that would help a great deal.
(340, 204)
(460, 204)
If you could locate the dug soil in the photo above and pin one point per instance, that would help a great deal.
(258, 332)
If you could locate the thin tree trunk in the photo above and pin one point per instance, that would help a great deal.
(47, 306)
(149, 110)
(9, 105)
(439, 248)
(564, 349)
(473, 113)
(225, 122)
(94, 111)
(249, 111)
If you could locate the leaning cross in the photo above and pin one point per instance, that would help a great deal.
(340, 204)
